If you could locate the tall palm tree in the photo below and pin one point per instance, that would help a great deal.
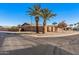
(46, 14)
(34, 11)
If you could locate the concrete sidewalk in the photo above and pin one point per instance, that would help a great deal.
(54, 34)
(48, 34)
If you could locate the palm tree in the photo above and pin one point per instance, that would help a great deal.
(46, 14)
(34, 11)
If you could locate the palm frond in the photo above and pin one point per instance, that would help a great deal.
(34, 11)
(46, 13)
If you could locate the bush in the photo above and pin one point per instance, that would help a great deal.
(13, 28)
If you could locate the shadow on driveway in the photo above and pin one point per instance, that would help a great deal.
(39, 50)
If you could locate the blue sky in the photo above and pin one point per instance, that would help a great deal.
(15, 13)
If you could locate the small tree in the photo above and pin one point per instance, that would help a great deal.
(62, 25)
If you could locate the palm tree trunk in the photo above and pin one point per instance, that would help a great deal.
(37, 25)
(44, 27)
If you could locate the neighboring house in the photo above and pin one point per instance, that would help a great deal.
(29, 27)
(25, 27)
(25, 24)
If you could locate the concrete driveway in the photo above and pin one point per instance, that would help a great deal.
(21, 44)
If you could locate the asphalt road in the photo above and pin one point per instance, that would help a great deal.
(19, 44)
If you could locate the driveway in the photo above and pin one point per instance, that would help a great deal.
(20, 44)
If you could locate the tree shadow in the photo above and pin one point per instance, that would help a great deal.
(39, 50)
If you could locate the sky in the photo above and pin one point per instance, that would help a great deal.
(12, 14)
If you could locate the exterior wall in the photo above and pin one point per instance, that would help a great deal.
(28, 28)
(59, 30)
(49, 28)
(31, 28)
(52, 28)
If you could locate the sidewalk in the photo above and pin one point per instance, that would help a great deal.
(48, 34)
(55, 34)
